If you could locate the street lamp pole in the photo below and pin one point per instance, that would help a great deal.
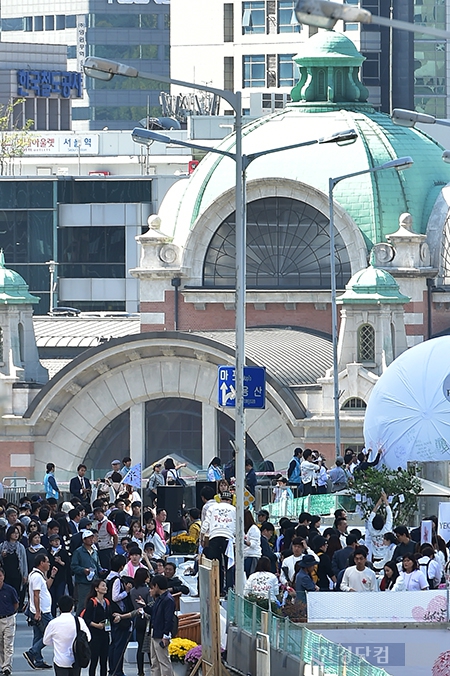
(325, 14)
(399, 163)
(105, 69)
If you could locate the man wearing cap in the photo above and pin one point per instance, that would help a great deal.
(107, 537)
(85, 567)
(303, 579)
(116, 465)
(219, 527)
(77, 539)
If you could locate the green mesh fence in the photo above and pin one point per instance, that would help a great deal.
(331, 658)
(314, 504)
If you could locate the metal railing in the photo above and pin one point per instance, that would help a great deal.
(330, 659)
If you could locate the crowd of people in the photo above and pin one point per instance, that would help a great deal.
(105, 555)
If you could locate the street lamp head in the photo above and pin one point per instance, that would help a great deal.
(340, 137)
(147, 137)
(399, 163)
(104, 69)
(325, 14)
(409, 118)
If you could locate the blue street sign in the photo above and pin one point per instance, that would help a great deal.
(254, 386)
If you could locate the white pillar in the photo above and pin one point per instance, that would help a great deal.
(209, 434)
(137, 433)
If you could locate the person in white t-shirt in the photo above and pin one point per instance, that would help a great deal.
(40, 608)
(262, 583)
(410, 578)
(376, 528)
(60, 633)
(358, 578)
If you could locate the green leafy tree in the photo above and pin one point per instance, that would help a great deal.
(395, 483)
(13, 136)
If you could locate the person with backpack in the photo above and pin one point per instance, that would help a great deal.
(429, 566)
(118, 595)
(61, 634)
(97, 616)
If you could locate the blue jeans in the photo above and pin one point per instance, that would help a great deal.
(38, 638)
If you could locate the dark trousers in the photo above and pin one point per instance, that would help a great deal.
(38, 638)
(309, 489)
(56, 591)
(321, 490)
(105, 556)
(216, 551)
(99, 652)
(67, 671)
(140, 657)
(119, 640)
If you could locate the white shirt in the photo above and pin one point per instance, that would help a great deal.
(254, 548)
(220, 521)
(308, 471)
(415, 581)
(60, 633)
(359, 580)
(431, 569)
(262, 584)
(37, 581)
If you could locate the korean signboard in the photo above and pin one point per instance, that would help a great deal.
(45, 83)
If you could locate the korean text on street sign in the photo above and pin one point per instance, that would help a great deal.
(254, 386)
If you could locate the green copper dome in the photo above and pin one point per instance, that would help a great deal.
(372, 286)
(13, 288)
(328, 98)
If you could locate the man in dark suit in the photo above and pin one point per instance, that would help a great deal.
(80, 487)
(162, 613)
(267, 531)
(340, 558)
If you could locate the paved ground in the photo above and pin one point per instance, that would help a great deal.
(23, 642)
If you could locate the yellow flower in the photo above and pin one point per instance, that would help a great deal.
(178, 647)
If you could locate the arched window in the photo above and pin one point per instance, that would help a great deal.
(112, 442)
(338, 86)
(321, 85)
(366, 343)
(354, 404)
(174, 427)
(21, 343)
(288, 247)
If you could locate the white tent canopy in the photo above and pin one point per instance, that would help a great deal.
(408, 413)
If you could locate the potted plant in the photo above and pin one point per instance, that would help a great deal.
(183, 544)
(178, 648)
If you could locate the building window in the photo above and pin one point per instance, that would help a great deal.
(38, 23)
(366, 344)
(228, 73)
(167, 21)
(21, 343)
(254, 70)
(28, 24)
(253, 17)
(92, 252)
(12, 24)
(60, 22)
(286, 70)
(321, 85)
(72, 54)
(174, 427)
(287, 21)
(112, 442)
(166, 52)
(226, 433)
(71, 21)
(371, 69)
(355, 403)
(228, 22)
(1, 344)
(288, 247)
(50, 22)
(132, 52)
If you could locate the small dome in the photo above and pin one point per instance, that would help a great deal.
(372, 285)
(328, 44)
(13, 287)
